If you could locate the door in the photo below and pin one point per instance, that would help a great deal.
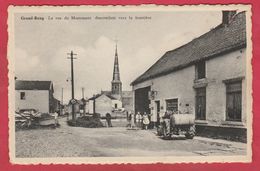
(201, 103)
(141, 100)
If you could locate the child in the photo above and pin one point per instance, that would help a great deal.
(146, 121)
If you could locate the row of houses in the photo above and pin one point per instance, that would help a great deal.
(205, 77)
(39, 95)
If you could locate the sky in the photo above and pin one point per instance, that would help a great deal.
(41, 46)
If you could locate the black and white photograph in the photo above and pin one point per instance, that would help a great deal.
(130, 84)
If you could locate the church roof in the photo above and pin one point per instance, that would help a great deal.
(116, 73)
(220, 40)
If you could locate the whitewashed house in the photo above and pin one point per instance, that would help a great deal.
(103, 104)
(35, 95)
(206, 75)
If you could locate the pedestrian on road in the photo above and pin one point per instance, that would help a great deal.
(146, 121)
(56, 122)
(108, 118)
(127, 116)
(139, 119)
(167, 119)
(132, 122)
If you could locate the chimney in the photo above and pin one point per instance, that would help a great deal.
(227, 16)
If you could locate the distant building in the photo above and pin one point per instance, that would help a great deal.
(103, 104)
(205, 77)
(35, 95)
(77, 106)
(115, 99)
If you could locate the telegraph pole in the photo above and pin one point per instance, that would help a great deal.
(83, 92)
(61, 108)
(73, 101)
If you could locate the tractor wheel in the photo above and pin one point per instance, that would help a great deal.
(190, 133)
(165, 135)
(159, 130)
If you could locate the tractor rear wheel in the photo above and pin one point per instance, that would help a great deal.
(190, 133)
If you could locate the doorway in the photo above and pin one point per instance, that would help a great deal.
(142, 100)
(201, 103)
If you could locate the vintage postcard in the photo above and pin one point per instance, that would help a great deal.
(130, 84)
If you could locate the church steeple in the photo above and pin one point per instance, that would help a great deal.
(116, 82)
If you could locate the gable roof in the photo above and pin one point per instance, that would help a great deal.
(32, 85)
(97, 96)
(222, 39)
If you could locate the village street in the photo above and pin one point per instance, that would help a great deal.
(114, 142)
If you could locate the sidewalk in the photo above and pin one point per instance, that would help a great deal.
(221, 141)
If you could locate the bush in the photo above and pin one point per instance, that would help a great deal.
(87, 122)
(96, 115)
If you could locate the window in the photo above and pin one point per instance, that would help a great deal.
(172, 105)
(22, 95)
(200, 70)
(201, 103)
(115, 106)
(233, 101)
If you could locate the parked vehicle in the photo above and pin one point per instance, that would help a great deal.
(177, 124)
(25, 117)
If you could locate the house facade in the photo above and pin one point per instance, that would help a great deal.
(206, 78)
(103, 104)
(35, 95)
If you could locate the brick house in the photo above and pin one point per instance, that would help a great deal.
(206, 77)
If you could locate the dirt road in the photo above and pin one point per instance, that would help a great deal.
(116, 141)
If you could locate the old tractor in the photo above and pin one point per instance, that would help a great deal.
(177, 124)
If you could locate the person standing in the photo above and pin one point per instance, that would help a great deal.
(132, 121)
(108, 118)
(146, 121)
(139, 119)
(56, 122)
(167, 120)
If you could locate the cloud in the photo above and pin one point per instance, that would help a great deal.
(25, 62)
(175, 40)
(26, 65)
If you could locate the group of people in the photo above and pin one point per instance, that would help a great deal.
(139, 120)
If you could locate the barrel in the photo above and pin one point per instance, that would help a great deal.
(183, 119)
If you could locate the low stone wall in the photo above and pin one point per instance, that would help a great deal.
(227, 133)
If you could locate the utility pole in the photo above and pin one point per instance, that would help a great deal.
(83, 92)
(61, 106)
(73, 101)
